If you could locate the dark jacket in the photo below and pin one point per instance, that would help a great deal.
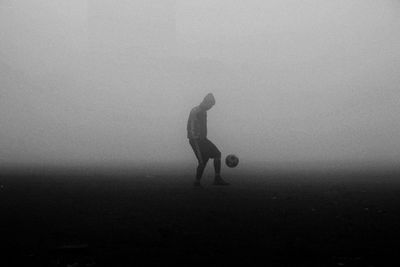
(197, 124)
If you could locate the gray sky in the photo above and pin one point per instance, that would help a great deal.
(114, 81)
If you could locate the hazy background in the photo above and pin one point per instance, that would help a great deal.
(102, 81)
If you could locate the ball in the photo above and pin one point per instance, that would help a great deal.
(231, 161)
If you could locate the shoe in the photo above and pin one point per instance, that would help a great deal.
(219, 181)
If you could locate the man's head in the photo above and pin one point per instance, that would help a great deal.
(208, 102)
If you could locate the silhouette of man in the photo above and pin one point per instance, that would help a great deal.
(203, 148)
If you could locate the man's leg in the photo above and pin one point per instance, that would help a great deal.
(217, 167)
(201, 161)
(200, 169)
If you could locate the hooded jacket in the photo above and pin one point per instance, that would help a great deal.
(197, 122)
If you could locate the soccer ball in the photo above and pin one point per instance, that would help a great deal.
(231, 161)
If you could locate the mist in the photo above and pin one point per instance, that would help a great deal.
(114, 81)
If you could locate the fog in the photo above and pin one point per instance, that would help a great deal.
(103, 81)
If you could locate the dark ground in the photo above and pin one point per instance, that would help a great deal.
(121, 217)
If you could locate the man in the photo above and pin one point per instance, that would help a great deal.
(203, 148)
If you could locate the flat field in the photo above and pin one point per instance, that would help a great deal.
(135, 217)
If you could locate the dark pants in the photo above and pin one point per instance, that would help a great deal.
(204, 149)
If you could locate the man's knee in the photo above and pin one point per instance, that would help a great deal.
(202, 165)
(217, 156)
